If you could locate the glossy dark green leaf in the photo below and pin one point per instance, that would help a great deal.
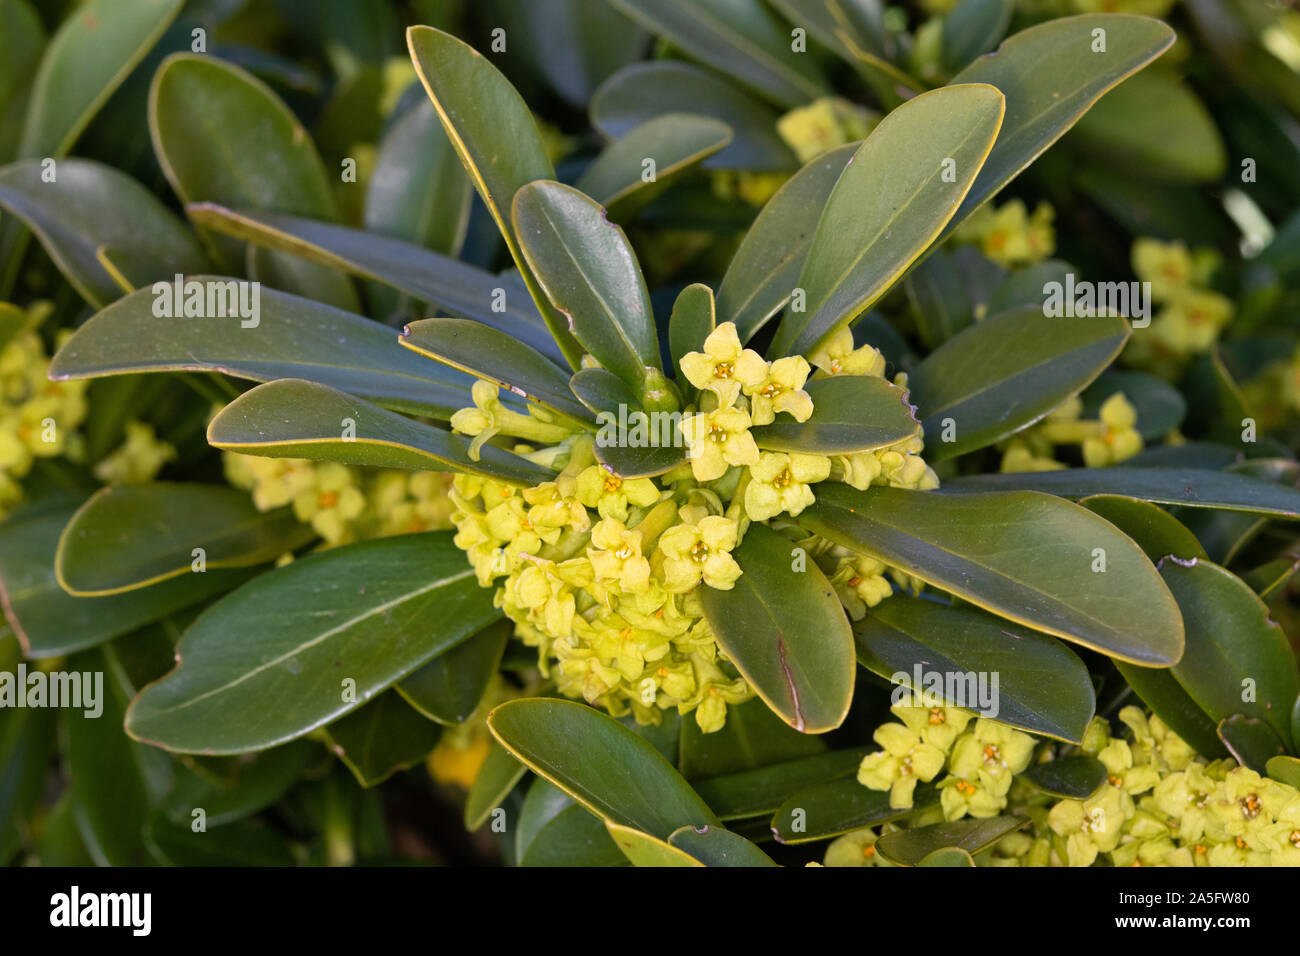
(1226, 534)
(295, 419)
(1251, 742)
(1160, 691)
(223, 136)
(60, 844)
(293, 338)
(496, 778)
(302, 645)
(586, 266)
(910, 847)
(1042, 686)
(488, 353)
(244, 843)
(749, 793)
(753, 737)
(939, 300)
(973, 27)
(1043, 103)
(881, 216)
(1189, 487)
(1238, 660)
(573, 837)
(22, 43)
(1285, 769)
(1068, 778)
(642, 849)
(693, 319)
(977, 390)
(495, 136)
(48, 621)
(27, 740)
(1269, 579)
(131, 536)
(448, 688)
(829, 809)
(671, 144)
(89, 206)
(785, 630)
(1024, 287)
(600, 763)
(1155, 530)
(716, 846)
(851, 413)
(765, 269)
(1026, 557)
(738, 37)
(381, 738)
(258, 783)
(1160, 407)
(94, 50)
(639, 461)
(642, 91)
(949, 856)
(600, 390)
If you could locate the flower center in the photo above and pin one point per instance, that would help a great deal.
(718, 434)
(724, 370)
(1250, 806)
(327, 499)
(699, 552)
(992, 754)
(783, 480)
(937, 716)
(624, 552)
(966, 787)
(613, 482)
(772, 390)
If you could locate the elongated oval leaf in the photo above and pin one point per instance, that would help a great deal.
(909, 847)
(1024, 556)
(786, 632)
(131, 536)
(1041, 685)
(296, 419)
(716, 846)
(642, 849)
(693, 318)
(293, 338)
(749, 793)
(587, 268)
(764, 271)
(829, 809)
(851, 413)
(89, 206)
(496, 778)
(1160, 691)
(752, 737)
(1069, 778)
(268, 663)
(1231, 640)
(882, 214)
(607, 768)
(989, 390)
(1189, 487)
(1156, 531)
(448, 688)
(381, 738)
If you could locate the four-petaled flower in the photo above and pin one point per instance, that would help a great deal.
(718, 439)
(779, 482)
(695, 552)
(724, 367)
(781, 390)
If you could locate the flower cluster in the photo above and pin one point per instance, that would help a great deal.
(1161, 803)
(1009, 235)
(38, 418)
(602, 573)
(1109, 440)
(1191, 314)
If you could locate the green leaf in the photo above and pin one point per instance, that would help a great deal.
(1023, 556)
(1042, 686)
(381, 738)
(938, 298)
(717, 846)
(295, 419)
(1155, 530)
(753, 737)
(495, 136)
(496, 778)
(597, 761)
(693, 319)
(642, 849)
(1269, 579)
(22, 43)
(448, 688)
(1285, 769)
(1068, 778)
(910, 847)
(1160, 407)
(977, 390)
(571, 837)
(1251, 742)
(94, 50)
(673, 142)
(587, 268)
(600, 390)
(131, 536)
(829, 809)
(1165, 696)
(642, 91)
(268, 663)
(502, 359)
(1189, 487)
(766, 266)
(737, 37)
(89, 206)
(223, 136)
(293, 338)
(632, 461)
(750, 793)
(50, 622)
(973, 27)
(1153, 126)
(258, 784)
(1231, 640)
(245, 843)
(1044, 102)
(422, 273)
(851, 413)
(785, 630)
(949, 856)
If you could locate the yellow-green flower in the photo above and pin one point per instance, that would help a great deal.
(1092, 826)
(824, 124)
(725, 366)
(1009, 235)
(992, 753)
(700, 552)
(1166, 265)
(905, 759)
(1119, 438)
(781, 390)
(938, 725)
(839, 357)
(1124, 772)
(960, 797)
(615, 555)
(779, 483)
(860, 583)
(612, 496)
(717, 439)
(138, 459)
(332, 504)
(855, 848)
